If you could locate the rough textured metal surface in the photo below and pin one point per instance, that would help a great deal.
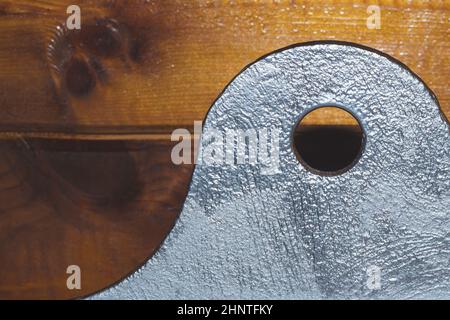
(300, 235)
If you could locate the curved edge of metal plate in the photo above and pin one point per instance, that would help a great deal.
(379, 231)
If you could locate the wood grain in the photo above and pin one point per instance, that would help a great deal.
(104, 206)
(149, 67)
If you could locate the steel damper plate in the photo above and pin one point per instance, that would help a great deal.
(281, 231)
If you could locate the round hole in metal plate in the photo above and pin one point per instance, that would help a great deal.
(328, 140)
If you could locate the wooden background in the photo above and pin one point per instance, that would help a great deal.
(139, 69)
(151, 66)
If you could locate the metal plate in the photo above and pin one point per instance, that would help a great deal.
(246, 232)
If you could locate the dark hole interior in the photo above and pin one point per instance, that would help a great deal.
(332, 147)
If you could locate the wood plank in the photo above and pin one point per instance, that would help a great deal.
(103, 206)
(150, 67)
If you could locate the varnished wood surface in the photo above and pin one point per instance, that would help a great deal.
(151, 66)
(105, 207)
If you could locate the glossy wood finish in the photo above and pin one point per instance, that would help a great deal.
(151, 66)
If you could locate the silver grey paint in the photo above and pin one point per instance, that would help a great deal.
(301, 235)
